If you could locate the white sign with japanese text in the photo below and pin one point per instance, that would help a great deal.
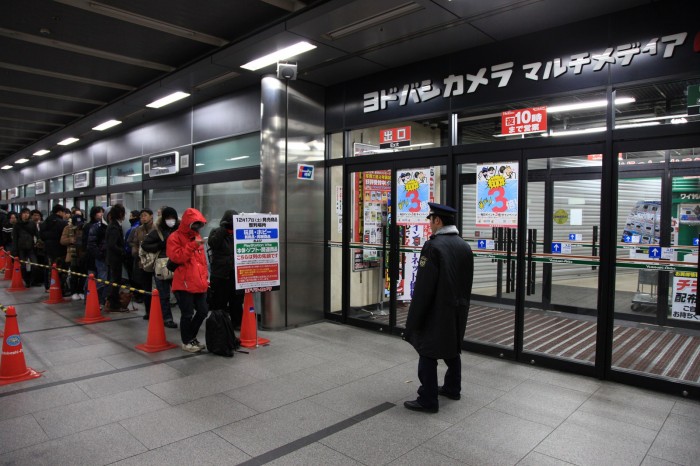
(256, 241)
(685, 287)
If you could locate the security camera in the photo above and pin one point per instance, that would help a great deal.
(287, 71)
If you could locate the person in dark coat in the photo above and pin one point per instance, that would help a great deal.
(7, 231)
(114, 255)
(223, 277)
(165, 225)
(24, 235)
(50, 233)
(437, 317)
(94, 243)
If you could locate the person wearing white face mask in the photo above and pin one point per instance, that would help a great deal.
(165, 225)
(114, 237)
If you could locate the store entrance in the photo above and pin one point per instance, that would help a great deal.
(388, 226)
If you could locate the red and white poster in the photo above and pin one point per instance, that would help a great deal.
(523, 121)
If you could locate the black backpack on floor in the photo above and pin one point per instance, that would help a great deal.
(220, 335)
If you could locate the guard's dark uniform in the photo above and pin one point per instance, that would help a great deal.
(437, 317)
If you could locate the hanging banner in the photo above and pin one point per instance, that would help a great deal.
(497, 195)
(413, 195)
(523, 121)
(685, 287)
(256, 241)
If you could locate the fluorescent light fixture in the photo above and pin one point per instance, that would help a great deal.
(41, 152)
(283, 54)
(68, 141)
(21, 161)
(6, 167)
(678, 121)
(239, 158)
(198, 164)
(589, 104)
(107, 125)
(169, 99)
(599, 129)
(638, 125)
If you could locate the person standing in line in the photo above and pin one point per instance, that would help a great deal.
(437, 317)
(51, 231)
(37, 275)
(24, 235)
(191, 277)
(7, 228)
(154, 242)
(114, 257)
(140, 278)
(134, 223)
(94, 242)
(72, 239)
(223, 276)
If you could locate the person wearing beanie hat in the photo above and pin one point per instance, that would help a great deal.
(155, 241)
(223, 276)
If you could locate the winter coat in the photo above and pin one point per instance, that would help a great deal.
(24, 235)
(136, 237)
(51, 231)
(114, 237)
(72, 239)
(127, 238)
(437, 317)
(153, 243)
(96, 244)
(192, 275)
(222, 254)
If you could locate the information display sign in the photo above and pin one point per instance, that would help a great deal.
(256, 241)
(524, 121)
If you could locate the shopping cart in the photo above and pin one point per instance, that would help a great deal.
(647, 281)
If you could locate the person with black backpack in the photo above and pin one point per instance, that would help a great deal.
(114, 256)
(50, 233)
(223, 277)
(24, 235)
(95, 245)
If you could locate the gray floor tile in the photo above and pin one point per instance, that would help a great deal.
(37, 400)
(651, 461)
(589, 439)
(571, 381)
(628, 404)
(275, 428)
(386, 436)
(421, 456)
(678, 440)
(203, 449)
(689, 408)
(82, 353)
(538, 459)
(540, 402)
(273, 393)
(20, 432)
(200, 385)
(179, 422)
(127, 380)
(130, 358)
(501, 375)
(80, 369)
(489, 437)
(84, 415)
(202, 363)
(315, 454)
(102, 445)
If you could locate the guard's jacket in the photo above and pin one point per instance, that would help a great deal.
(437, 317)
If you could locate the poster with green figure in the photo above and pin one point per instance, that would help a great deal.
(497, 195)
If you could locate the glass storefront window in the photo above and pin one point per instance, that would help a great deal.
(101, 177)
(335, 215)
(127, 172)
(178, 198)
(68, 183)
(56, 185)
(214, 199)
(130, 200)
(406, 135)
(238, 152)
(654, 104)
(336, 146)
(30, 190)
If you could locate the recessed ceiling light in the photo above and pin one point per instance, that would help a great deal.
(198, 164)
(6, 167)
(589, 104)
(21, 161)
(41, 152)
(68, 141)
(107, 125)
(239, 158)
(168, 99)
(283, 54)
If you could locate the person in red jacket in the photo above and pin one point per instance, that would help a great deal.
(191, 277)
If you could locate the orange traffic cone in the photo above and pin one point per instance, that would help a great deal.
(249, 325)
(155, 341)
(55, 291)
(17, 281)
(92, 305)
(2, 259)
(8, 267)
(13, 368)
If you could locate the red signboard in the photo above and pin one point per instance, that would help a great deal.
(395, 137)
(523, 121)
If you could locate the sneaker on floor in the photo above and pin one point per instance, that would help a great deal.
(191, 348)
(75, 297)
(81, 296)
(198, 344)
(170, 324)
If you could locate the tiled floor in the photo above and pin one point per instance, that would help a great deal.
(322, 394)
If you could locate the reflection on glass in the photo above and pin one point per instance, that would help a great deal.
(336, 236)
(127, 172)
(177, 198)
(398, 137)
(214, 199)
(56, 185)
(241, 151)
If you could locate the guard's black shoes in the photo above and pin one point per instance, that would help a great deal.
(451, 396)
(415, 406)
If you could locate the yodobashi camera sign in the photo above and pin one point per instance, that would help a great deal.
(256, 240)
(81, 179)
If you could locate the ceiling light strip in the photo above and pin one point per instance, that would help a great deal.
(67, 77)
(50, 95)
(57, 44)
(282, 54)
(145, 21)
(168, 99)
(107, 125)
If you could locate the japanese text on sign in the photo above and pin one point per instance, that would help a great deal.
(526, 120)
(685, 288)
(256, 242)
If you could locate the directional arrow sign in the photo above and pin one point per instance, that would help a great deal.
(575, 237)
(695, 241)
(654, 252)
(627, 239)
(556, 248)
(481, 244)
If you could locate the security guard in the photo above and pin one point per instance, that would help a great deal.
(437, 317)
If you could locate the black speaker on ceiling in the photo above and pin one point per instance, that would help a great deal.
(287, 71)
